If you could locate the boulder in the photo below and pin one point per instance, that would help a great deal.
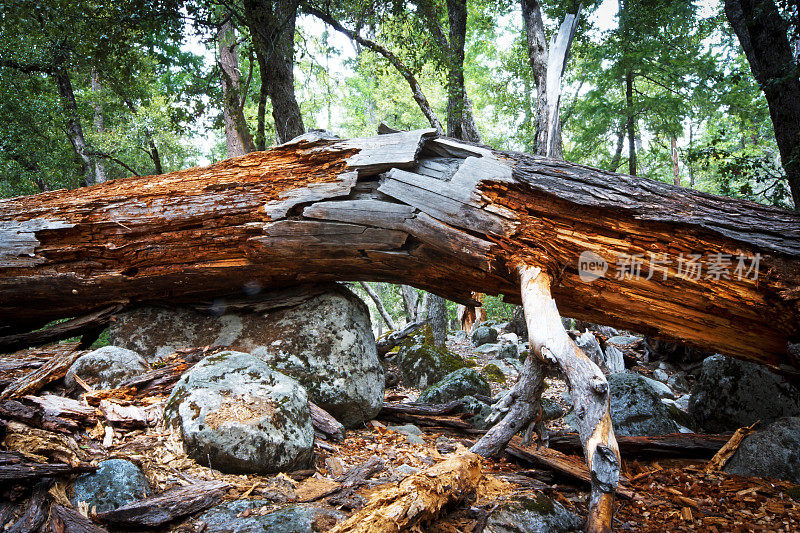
(493, 373)
(772, 451)
(479, 410)
(239, 416)
(326, 343)
(531, 514)
(115, 483)
(730, 393)
(510, 368)
(508, 350)
(299, 518)
(484, 335)
(106, 368)
(456, 385)
(422, 363)
(551, 409)
(636, 408)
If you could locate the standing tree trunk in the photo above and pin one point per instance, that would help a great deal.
(73, 124)
(673, 148)
(631, 125)
(437, 317)
(763, 34)
(272, 26)
(548, 70)
(237, 134)
(99, 127)
(379, 305)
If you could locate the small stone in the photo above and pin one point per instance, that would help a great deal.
(507, 350)
(660, 375)
(406, 470)
(678, 382)
(116, 483)
(248, 516)
(106, 368)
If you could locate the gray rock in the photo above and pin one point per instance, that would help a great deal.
(540, 514)
(773, 451)
(117, 482)
(730, 393)
(489, 348)
(411, 432)
(663, 390)
(456, 385)
(406, 470)
(683, 402)
(484, 335)
(298, 518)
(680, 416)
(624, 341)
(509, 367)
(660, 375)
(508, 350)
(551, 410)
(678, 382)
(422, 363)
(479, 410)
(636, 408)
(326, 343)
(509, 337)
(239, 416)
(106, 368)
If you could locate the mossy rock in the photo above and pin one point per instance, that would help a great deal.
(456, 385)
(493, 373)
(532, 514)
(422, 363)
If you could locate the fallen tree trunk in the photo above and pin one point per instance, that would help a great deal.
(445, 216)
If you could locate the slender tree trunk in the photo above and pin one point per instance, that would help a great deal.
(237, 134)
(537, 57)
(73, 123)
(618, 151)
(763, 34)
(437, 315)
(99, 167)
(272, 28)
(410, 298)
(379, 305)
(688, 163)
(673, 146)
(261, 136)
(631, 123)
(407, 73)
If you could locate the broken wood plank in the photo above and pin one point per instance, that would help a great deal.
(64, 330)
(568, 465)
(673, 444)
(727, 451)
(14, 467)
(419, 498)
(35, 380)
(166, 507)
(35, 417)
(325, 423)
(64, 519)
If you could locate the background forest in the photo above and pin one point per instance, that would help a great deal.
(98, 90)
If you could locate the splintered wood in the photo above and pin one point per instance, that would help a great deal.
(418, 499)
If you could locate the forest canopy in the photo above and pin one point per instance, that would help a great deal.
(666, 89)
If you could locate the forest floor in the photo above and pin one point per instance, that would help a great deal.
(663, 495)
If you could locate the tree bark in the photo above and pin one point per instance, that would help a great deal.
(537, 57)
(237, 134)
(763, 34)
(444, 216)
(272, 26)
